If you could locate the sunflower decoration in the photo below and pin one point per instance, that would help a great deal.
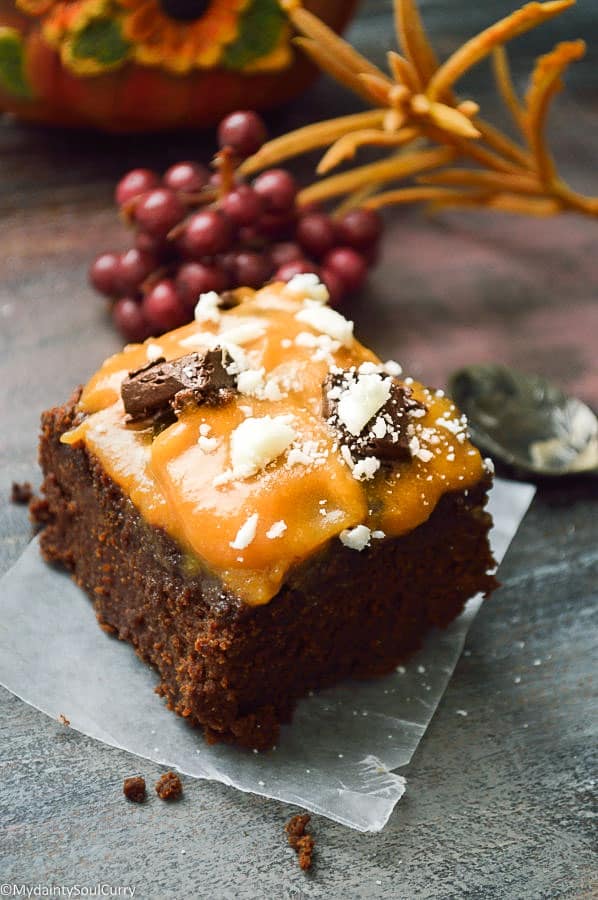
(179, 36)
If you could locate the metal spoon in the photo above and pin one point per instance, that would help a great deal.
(526, 421)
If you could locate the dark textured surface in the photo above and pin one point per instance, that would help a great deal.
(499, 801)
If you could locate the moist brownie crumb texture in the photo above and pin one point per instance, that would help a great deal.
(134, 789)
(301, 842)
(21, 493)
(276, 513)
(169, 786)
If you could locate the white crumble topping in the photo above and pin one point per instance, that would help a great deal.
(357, 538)
(286, 343)
(238, 332)
(489, 465)
(208, 444)
(366, 468)
(153, 352)
(361, 400)
(379, 428)
(369, 368)
(245, 534)
(249, 381)
(323, 345)
(327, 321)
(378, 535)
(276, 530)
(255, 443)
(307, 285)
(391, 367)
(307, 454)
(207, 308)
(246, 410)
(204, 429)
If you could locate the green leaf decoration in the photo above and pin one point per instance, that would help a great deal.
(101, 42)
(12, 64)
(259, 33)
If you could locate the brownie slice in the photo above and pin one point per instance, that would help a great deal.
(238, 670)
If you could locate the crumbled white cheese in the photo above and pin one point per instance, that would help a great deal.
(323, 345)
(254, 383)
(379, 428)
(391, 367)
(378, 535)
(366, 468)
(250, 381)
(238, 332)
(369, 368)
(307, 285)
(257, 441)
(204, 429)
(207, 308)
(306, 454)
(245, 534)
(153, 352)
(246, 410)
(362, 400)
(327, 321)
(207, 444)
(276, 530)
(357, 538)
(488, 465)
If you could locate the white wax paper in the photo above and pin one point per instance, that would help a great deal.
(336, 759)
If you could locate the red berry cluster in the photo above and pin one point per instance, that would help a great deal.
(197, 231)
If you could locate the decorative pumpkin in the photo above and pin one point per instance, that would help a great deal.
(133, 65)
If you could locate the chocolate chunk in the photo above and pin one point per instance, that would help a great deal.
(387, 434)
(161, 386)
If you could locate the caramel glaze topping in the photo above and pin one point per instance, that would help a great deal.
(250, 529)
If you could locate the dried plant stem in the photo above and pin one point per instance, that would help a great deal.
(346, 146)
(403, 166)
(546, 81)
(494, 181)
(474, 50)
(311, 137)
(413, 39)
(506, 88)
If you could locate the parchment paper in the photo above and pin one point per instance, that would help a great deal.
(336, 759)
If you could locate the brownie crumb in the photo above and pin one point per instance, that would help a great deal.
(63, 719)
(169, 786)
(21, 492)
(301, 842)
(134, 789)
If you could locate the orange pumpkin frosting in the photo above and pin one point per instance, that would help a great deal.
(252, 487)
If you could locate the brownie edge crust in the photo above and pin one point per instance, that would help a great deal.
(237, 670)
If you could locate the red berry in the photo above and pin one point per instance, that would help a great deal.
(243, 131)
(360, 228)
(103, 274)
(349, 265)
(130, 320)
(297, 267)
(251, 269)
(206, 233)
(134, 183)
(134, 267)
(195, 278)
(163, 307)
(277, 226)
(335, 285)
(277, 188)
(187, 177)
(243, 205)
(285, 252)
(158, 211)
(158, 247)
(316, 233)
